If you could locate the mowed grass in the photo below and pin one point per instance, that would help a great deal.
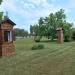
(54, 59)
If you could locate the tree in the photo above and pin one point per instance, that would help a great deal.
(40, 21)
(60, 18)
(25, 33)
(31, 29)
(20, 32)
(52, 26)
(67, 31)
(47, 26)
(36, 30)
(61, 23)
(0, 1)
(1, 13)
(17, 31)
(41, 27)
(73, 33)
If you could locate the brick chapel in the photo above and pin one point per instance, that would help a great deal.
(6, 37)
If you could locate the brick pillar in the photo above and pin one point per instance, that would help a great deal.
(8, 49)
(60, 37)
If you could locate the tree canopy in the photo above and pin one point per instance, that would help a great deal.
(0, 1)
(47, 26)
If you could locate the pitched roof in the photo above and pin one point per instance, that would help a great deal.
(7, 20)
(59, 29)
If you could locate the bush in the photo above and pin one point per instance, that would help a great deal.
(38, 46)
(73, 34)
(67, 36)
(37, 40)
(34, 47)
(73, 37)
(67, 39)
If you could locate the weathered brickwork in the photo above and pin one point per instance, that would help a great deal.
(60, 36)
(6, 47)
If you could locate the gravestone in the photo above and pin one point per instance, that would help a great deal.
(60, 36)
(6, 37)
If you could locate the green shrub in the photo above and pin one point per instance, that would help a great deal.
(73, 34)
(34, 47)
(67, 39)
(37, 40)
(73, 37)
(67, 36)
(38, 46)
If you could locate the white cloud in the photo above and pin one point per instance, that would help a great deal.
(36, 2)
(8, 5)
(26, 9)
(31, 10)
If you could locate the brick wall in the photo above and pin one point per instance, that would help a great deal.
(60, 37)
(7, 49)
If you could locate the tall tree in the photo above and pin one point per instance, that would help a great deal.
(0, 1)
(36, 30)
(1, 13)
(41, 31)
(31, 30)
(52, 26)
(67, 31)
(40, 21)
(60, 18)
(47, 26)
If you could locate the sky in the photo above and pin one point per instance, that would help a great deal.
(27, 12)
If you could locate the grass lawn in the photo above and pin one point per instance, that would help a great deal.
(55, 59)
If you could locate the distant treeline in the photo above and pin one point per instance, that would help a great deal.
(20, 32)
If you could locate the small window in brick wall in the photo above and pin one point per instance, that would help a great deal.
(7, 36)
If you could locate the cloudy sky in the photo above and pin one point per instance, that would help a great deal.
(26, 12)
